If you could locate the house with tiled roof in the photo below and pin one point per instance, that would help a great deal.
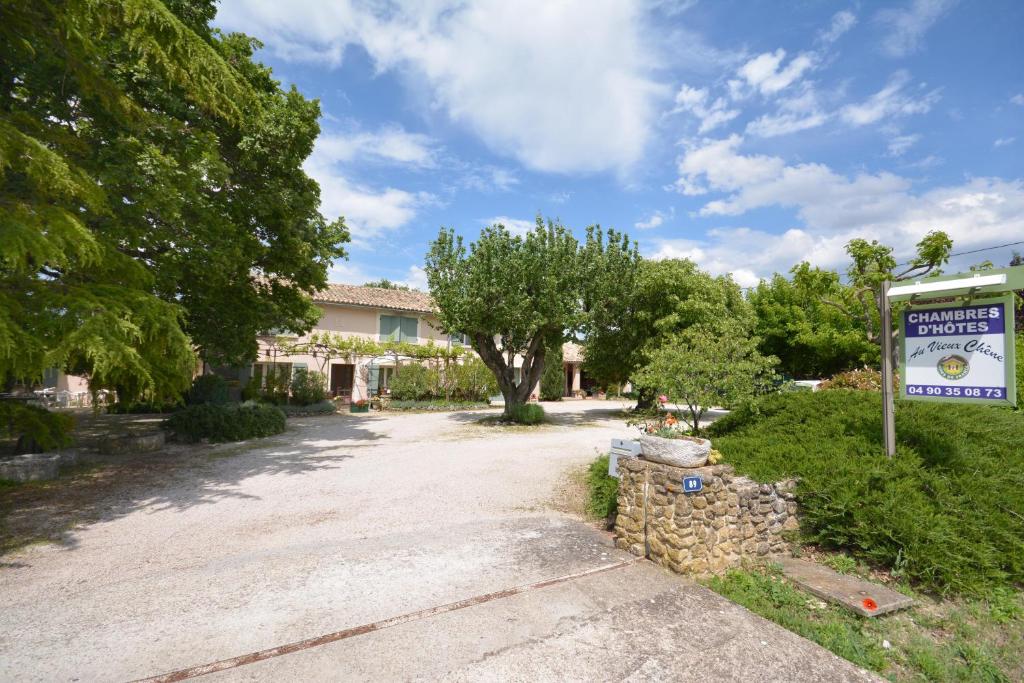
(373, 313)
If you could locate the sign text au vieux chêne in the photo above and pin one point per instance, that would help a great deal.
(958, 352)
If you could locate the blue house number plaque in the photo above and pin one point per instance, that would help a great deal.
(692, 484)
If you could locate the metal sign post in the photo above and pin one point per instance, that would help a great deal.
(888, 402)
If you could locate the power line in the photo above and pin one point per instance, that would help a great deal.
(974, 251)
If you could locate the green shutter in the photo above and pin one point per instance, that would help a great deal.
(409, 329)
(389, 328)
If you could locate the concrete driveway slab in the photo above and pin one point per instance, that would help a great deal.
(350, 520)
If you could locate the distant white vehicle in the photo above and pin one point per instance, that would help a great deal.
(811, 384)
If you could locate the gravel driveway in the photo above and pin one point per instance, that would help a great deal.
(319, 537)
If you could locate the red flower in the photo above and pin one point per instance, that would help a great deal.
(869, 604)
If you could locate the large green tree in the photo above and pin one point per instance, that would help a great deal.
(809, 337)
(637, 312)
(152, 195)
(519, 296)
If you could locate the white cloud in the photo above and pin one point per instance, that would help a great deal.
(907, 27)
(842, 22)
(892, 100)
(1018, 99)
(390, 143)
(695, 101)
(794, 114)
(367, 211)
(717, 162)
(416, 278)
(516, 226)
(833, 208)
(899, 145)
(1003, 142)
(655, 220)
(763, 73)
(563, 87)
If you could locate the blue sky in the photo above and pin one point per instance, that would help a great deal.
(745, 135)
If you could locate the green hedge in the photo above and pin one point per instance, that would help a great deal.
(231, 422)
(436, 405)
(325, 407)
(528, 414)
(602, 489)
(944, 513)
(308, 388)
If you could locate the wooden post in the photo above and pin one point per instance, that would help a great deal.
(888, 405)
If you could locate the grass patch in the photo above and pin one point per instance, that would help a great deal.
(952, 640)
(944, 514)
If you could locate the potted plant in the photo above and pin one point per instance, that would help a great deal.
(663, 439)
(360, 406)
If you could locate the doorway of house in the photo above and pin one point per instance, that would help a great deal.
(568, 381)
(342, 376)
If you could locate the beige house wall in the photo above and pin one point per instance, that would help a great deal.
(353, 321)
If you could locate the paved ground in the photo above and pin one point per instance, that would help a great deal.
(351, 520)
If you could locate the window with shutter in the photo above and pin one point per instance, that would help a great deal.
(409, 329)
(390, 328)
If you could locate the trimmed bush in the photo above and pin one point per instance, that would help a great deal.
(438, 405)
(602, 489)
(944, 513)
(218, 422)
(308, 387)
(31, 429)
(324, 407)
(528, 414)
(207, 389)
(415, 382)
(143, 407)
(473, 380)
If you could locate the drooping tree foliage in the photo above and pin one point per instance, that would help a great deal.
(809, 337)
(152, 199)
(519, 296)
(636, 312)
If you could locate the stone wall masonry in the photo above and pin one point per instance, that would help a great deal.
(731, 518)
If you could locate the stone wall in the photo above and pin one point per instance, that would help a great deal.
(730, 519)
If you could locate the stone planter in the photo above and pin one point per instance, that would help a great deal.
(688, 452)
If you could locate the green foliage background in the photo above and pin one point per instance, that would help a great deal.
(153, 192)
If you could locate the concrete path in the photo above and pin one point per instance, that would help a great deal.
(346, 522)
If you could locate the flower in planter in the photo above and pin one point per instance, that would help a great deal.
(663, 399)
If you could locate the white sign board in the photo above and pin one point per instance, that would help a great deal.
(961, 353)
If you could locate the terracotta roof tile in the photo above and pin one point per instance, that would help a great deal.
(376, 297)
(572, 353)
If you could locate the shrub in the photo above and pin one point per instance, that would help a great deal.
(943, 513)
(325, 407)
(276, 385)
(143, 407)
(219, 422)
(207, 389)
(308, 387)
(552, 379)
(474, 381)
(31, 429)
(528, 414)
(863, 379)
(415, 382)
(434, 405)
(602, 489)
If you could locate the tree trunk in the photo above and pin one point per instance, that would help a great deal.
(645, 399)
(504, 370)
